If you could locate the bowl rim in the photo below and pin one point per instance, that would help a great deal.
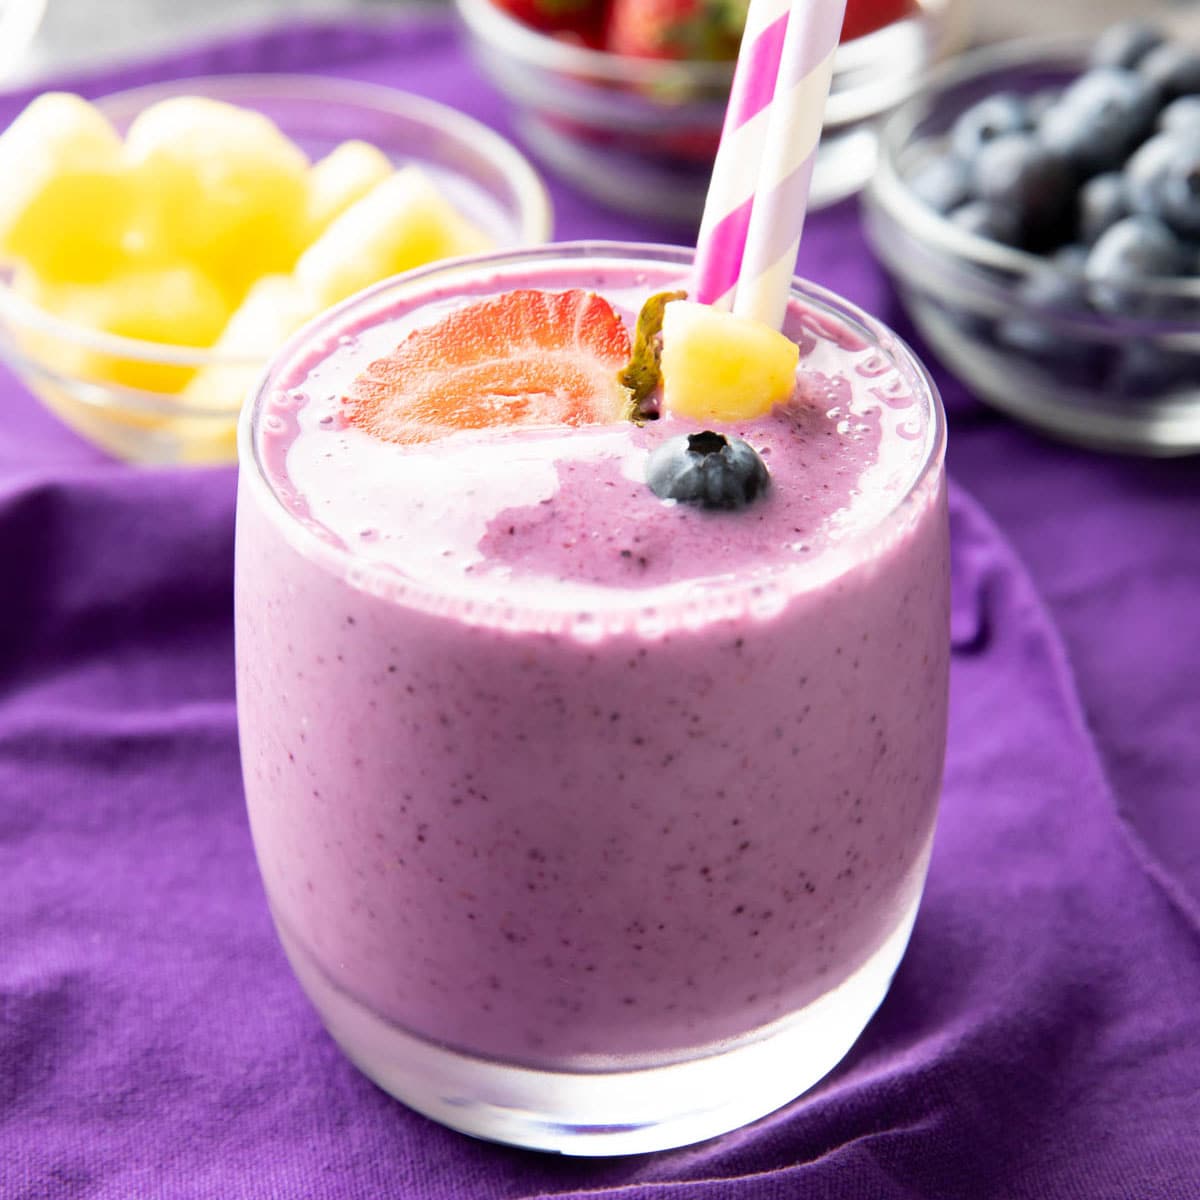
(888, 189)
(533, 204)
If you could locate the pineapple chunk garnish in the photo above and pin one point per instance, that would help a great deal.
(720, 367)
(401, 223)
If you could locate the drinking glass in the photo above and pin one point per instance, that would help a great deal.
(606, 870)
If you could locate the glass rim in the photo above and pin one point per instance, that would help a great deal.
(413, 592)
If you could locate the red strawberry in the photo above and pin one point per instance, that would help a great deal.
(580, 17)
(865, 16)
(522, 358)
(696, 29)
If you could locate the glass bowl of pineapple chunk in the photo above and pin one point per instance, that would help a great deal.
(158, 245)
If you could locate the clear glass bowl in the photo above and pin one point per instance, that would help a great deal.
(640, 134)
(1127, 381)
(485, 175)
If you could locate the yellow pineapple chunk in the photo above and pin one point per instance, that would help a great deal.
(401, 223)
(274, 308)
(344, 175)
(224, 188)
(721, 367)
(176, 305)
(66, 202)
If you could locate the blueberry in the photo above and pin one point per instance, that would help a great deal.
(1040, 103)
(992, 221)
(1100, 118)
(1046, 290)
(1163, 180)
(1102, 202)
(1179, 115)
(1004, 112)
(965, 323)
(943, 183)
(1071, 257)
(1050, 287)
(1125, 44)
(1173, 69)
(1146, 369)
(708, 469)
(1127, 254)
(1016, 172)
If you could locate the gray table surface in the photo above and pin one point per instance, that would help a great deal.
(76, 33)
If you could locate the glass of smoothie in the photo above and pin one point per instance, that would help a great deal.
(591, 819)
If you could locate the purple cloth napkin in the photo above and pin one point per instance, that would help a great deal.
(1041, 1040)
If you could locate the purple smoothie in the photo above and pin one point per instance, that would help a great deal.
(549, 772)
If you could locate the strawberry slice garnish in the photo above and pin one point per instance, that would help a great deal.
(522, 358)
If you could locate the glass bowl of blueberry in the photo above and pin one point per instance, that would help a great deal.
(1038, 206)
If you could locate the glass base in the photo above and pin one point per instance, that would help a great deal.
(622, 1111)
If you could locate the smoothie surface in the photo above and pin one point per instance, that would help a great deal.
(532, 515)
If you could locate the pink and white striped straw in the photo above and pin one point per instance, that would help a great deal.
(727, 208)
(755, 242)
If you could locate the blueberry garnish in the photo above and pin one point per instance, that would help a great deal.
(708, 469)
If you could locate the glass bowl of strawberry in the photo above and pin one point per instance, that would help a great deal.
(625, 98)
